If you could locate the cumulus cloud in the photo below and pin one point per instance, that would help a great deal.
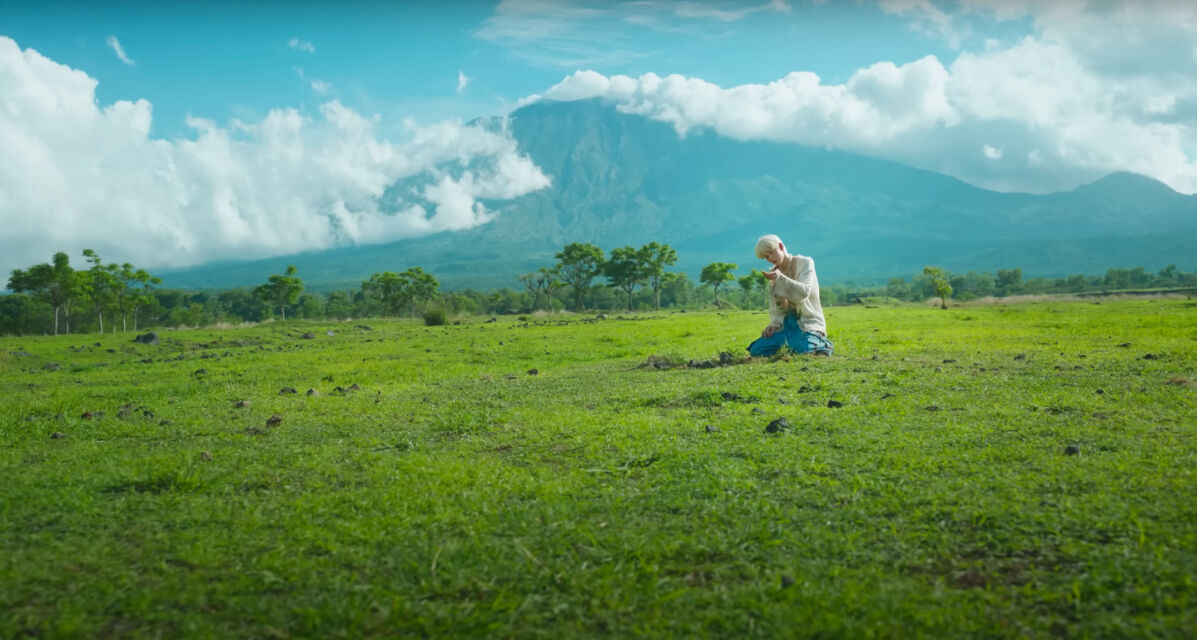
(301, 45)
(116, 47)
(1066, 109)
(462, 81)
(74, 174)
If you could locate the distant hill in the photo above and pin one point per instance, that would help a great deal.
(622, 179)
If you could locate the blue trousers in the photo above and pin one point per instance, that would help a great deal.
(791, 335)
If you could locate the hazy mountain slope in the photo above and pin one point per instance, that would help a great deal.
(623, 179)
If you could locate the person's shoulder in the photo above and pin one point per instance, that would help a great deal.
(802, 260)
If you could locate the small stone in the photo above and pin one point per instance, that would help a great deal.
(757, 410)
(834, 404)
(887, 396)
(1100, 392)
(166, 423)
(205, 455)
(777, 426)
(932, 407)
(784, 401)
(308, 335)
(285, 391)
(57, 435)
(200, 372)
(1125, 345)
(274, 420)
(355, 387)
(51, 366)
(1021, 356)
(241, 404)
(87, 415)
(712, 428)
(125, 412)
(787, 581)
(1150, 356)
(1071, 450)
(255, 431)
(948, 361)
(533, 372)
(726, 358)
(330, 333)
(313, 392)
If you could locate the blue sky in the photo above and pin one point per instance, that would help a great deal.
(175, 133)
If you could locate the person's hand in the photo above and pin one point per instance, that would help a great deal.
(769, 331)
(770, 274)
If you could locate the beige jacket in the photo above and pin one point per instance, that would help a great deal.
(797, 288)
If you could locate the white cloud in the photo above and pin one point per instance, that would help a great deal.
(462, 81)
(301, 45)
(1067, 106)
(115, 45)
(320, 87)
(993, 153)
(75, 175)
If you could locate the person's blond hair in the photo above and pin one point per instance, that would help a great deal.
(766, 244)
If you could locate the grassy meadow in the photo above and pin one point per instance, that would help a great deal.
(985, 471)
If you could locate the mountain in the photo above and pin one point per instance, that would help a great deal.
(622, 179)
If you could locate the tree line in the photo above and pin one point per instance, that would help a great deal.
(106, 297)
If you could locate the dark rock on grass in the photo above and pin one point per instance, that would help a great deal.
(1071, 450)
(51, 366)
(887, 396)
(286, 391)
(166, 423)
(1125, 345)
(339, 389)
(730, 397)
(712, 428)
(1150, 356)
(787, 581)
(313, 392)
(87, 415)
(834, 404)
(274, 420)
(533, 372)
(364, 327)
(757, 410)
(308, 335)
(784, 401)
(806, 388)
(949, 360)
(200, 372)
(57, 435)
(147, 361)
(147, 338)
(125, 412)
(932, 407)
(1100, 392)
(726, 359)
(777, 426)
(205, 455)
(256, 431)
(355, 387)
(241, 404)
(1021, 356)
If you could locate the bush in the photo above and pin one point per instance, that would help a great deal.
(434, 317)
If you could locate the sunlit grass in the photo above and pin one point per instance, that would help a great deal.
(454, 492)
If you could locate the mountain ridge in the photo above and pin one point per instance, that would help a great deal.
(620, 179)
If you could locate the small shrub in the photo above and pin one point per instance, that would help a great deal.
(434, 317)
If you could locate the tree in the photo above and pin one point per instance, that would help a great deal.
(280, 291)
(55, 284)
(654, 257)
(715, 274)
(389, 288)
(940, 280)
(747, 283)
(1009, 282)
(578, 264)
(624, 270)
(421, 286)
(542, 281)
(98, 284)
(897, 288)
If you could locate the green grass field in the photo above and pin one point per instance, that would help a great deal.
(993, 471)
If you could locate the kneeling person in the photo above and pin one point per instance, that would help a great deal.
(795, 314)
